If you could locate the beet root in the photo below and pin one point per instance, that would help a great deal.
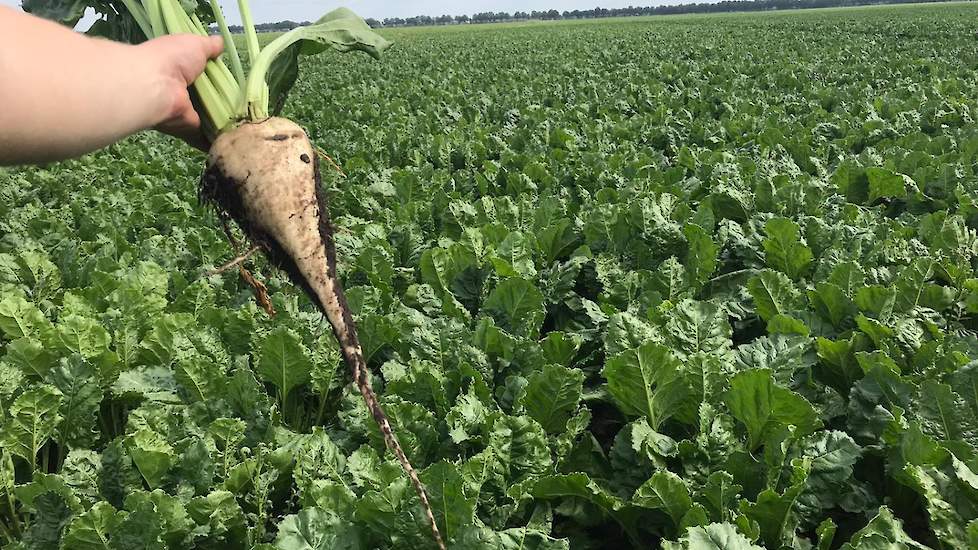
(265, 176)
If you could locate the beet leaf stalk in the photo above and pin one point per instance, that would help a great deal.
(262, 170)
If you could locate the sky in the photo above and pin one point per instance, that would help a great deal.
(267, 11)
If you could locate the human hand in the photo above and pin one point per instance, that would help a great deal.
(178, 60)
(115, 89)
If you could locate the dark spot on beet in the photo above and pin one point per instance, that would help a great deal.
(305, 158)
(277, 137)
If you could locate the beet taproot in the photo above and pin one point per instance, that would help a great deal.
(265, 176)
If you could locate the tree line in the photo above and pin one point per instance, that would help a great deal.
(280, 26)
(631, 11)
(554, 15)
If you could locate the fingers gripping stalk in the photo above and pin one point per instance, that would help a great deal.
(265, 175)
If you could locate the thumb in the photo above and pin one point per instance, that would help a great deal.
(185, 53)
(213, 46)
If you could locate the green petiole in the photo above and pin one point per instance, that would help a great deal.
(251, 36)
(248, 107)
(229, 45)
(139, 14)
(256, 87)
(155, 17)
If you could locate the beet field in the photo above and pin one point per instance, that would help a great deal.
(686, 282)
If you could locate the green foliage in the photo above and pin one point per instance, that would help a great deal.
(724, 299)
(552, 395)
(646, 382)
(716, 536)
(783, 249)
(316, 529)
(284, 361)
(764, 407)
(31, 421)
(517, 306)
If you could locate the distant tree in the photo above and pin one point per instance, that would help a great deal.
(374, 24)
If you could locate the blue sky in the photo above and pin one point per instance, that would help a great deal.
(300, 10)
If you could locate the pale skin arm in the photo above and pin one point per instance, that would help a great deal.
(63, 94)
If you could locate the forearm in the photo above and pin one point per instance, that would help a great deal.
(64, 94)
